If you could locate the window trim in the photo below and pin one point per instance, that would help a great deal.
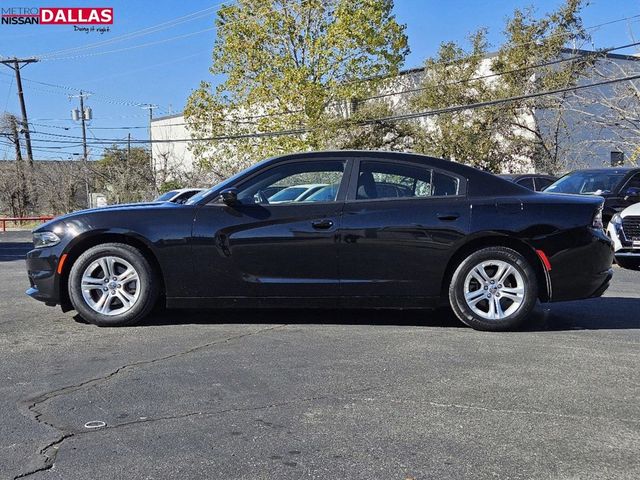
(542, 177)
(340, 197)
(355, 172)
(527, 177)
(624, 186)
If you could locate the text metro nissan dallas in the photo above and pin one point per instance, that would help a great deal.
(386, 230)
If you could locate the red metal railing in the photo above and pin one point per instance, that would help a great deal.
(21, 220)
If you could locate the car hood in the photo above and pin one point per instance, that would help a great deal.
(125, 207)
(632, 210)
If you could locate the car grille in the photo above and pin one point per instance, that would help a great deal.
(631, 227)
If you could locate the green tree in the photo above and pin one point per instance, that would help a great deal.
(501, 137)
(361, 131)
(125, 176)
(289, 65)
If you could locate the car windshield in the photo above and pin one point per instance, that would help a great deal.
(166, 196)
(586, 183)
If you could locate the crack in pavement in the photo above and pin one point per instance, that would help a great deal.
(50, 450)
(209, 413)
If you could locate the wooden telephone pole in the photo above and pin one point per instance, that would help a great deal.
(16, 64)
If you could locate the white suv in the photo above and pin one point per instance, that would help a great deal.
(624, 230)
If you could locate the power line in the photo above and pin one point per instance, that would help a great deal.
(123, 49)
(392, 118)
(596, 53)
(100, 97)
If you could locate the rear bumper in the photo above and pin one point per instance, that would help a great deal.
(583, 271)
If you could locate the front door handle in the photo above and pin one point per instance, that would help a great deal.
(323, 224)
(448, 216)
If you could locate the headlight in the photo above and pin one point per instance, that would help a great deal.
(597, 219)
(45, 239)
(616, 220)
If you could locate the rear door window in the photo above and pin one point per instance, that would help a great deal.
(387, 180)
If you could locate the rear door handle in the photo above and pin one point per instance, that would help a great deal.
(323, 224)
(448, 216)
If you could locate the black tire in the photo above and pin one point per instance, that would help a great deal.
(147, 284)
(629, 264)
(511, 321)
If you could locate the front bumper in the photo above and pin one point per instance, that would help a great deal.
(43, 279)
(624, 248)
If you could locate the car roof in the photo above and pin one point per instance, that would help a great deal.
(514, 176)
(605, 170)
(479, 182)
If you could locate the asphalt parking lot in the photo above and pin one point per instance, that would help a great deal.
(318, 394)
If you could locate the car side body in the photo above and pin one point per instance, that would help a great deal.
(396, 252)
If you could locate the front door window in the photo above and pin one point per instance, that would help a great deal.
(296, 183)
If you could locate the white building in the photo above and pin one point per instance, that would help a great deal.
(590, 137)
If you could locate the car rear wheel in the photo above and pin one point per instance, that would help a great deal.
(494, 288)
(112, 285)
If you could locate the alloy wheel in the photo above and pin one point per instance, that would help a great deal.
(110, 285)
(494, 289)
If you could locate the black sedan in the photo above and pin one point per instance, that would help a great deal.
(388, 230)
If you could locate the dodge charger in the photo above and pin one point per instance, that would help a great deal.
(386, 230)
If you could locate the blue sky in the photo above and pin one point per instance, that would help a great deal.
(167, 70)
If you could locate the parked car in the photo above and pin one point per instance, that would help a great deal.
(180, 195)
(624, 230)
(620, 187)
(532, 181)
(295, 193)
(487, 247)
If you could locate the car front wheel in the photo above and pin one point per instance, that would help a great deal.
(494, 288)
(112, 285)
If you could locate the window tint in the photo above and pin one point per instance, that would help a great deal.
(526, 182)
(324, 194)
(396, 180)
(444, 185)
(542, 183)
(293, 183)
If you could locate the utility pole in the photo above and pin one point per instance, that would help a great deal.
(16, 138)
(16, 64)
(83, 115)
(153, 170)
(128, 147)
(23, 192)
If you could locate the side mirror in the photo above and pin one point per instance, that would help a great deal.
(632, 193)
(230, 196)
